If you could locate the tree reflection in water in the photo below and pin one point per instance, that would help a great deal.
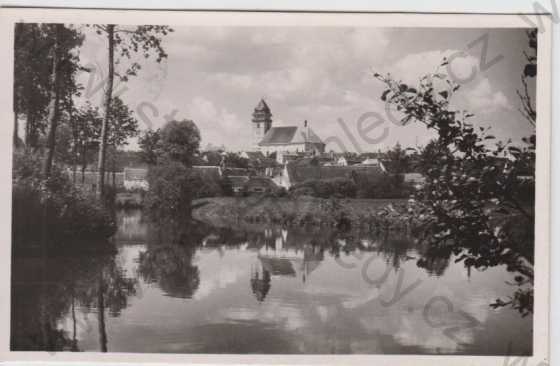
(45, 290)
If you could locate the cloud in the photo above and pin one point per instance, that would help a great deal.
(412, 67)
(484, 98)
(216, 124)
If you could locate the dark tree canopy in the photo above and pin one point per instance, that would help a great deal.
(180, 141)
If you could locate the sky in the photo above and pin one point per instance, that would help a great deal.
(215, 76)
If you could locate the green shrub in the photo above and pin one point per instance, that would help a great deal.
(52, 209)
(384, 186)
(171, 189)
(325, 188)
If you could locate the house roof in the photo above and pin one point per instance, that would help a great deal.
(290, 135)
(254, 155)
(208, 171)
(279, 135)
(236, 171)
(371, 161)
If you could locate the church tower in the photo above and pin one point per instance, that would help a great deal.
(262, 121)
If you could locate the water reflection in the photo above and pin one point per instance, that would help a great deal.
(192, 288)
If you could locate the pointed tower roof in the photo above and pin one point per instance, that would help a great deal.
(262, 106)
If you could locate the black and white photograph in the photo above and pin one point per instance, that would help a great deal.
(277, 187)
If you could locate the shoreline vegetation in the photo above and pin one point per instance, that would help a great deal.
(344, 213)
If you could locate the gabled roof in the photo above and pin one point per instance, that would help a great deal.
(290, 135)
(279, 135)
(254, 155)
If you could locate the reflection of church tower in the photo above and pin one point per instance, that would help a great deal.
(260, 283)
(262, 121)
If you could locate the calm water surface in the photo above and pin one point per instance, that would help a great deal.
(261, 289)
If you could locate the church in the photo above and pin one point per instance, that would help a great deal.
(283, 140)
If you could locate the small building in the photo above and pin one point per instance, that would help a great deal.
(374, 162)
(346, 161)
(87, 181)
(136, 178)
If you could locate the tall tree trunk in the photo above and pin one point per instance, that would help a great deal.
(54, 102)
(107, 106)
(16, 127)
(74, 144)
(114, 165)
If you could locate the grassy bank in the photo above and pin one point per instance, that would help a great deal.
(369, 213)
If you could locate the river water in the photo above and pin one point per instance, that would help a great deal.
(258, 289)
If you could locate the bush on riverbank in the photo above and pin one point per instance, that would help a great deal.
(325, 188)
(383, 186)
(170, 192)
(53, 209)
(300, 211)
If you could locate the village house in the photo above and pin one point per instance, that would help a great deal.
(135, 178)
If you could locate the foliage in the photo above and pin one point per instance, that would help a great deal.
(204, 185)
(33, 58)
(124, 41)
(471, 183)
(325, 188)
(180, 141)
(528, 109)
(128, 40)
(233, 160)
(383, 186)
(399, 161)
(54, 204)
(123, 125)
(176, 141)
(149, 146)
(86, 129)
(170, 191)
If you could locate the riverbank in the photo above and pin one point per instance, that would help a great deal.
(369, 213)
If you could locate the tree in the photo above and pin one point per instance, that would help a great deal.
(125, 41)
(472, 201)
(180, 141)
(54, 96)
(149, 146)
(31, 77)
(87, 129)
(123, 124)
(33, 66)
(398, 159)
(233, 160)
(528, 109)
